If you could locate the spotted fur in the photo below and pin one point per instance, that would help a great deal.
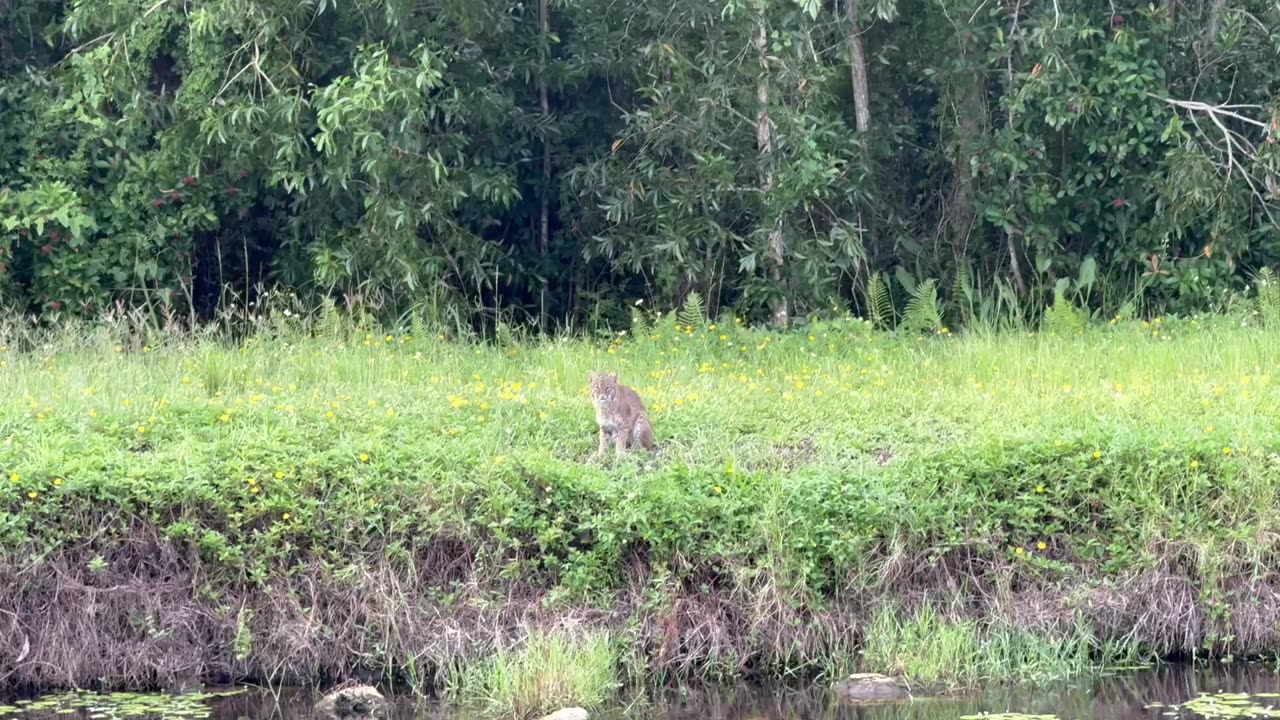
(620, 415)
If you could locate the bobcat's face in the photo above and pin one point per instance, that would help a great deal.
(603, 387)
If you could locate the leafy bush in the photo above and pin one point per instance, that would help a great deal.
(488, 161)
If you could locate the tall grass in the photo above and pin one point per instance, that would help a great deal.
(927, 646)
(547, 672)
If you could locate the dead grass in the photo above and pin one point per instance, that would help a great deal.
(154, 618)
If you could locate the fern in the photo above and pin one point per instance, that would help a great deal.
(1062, 317)
(504, 335)
(693, 312)
(1268, 297)
(923, 313)
(641, 326)
(417, 324)
(962, 293)
(879, 306)
(331, 325)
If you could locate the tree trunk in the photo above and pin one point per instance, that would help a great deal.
(858, 69)
(1213, 26)
(1011, 235)
(968, 93)
(764, 143)
(544, 201)
(961, 210)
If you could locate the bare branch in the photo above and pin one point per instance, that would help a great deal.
(1226, 110)
(1239, 152)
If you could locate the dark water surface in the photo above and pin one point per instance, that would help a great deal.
(1215, 692)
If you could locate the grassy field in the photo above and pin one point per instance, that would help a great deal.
(313, 504)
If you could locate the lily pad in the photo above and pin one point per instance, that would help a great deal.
(194, 706)
(1226, 706)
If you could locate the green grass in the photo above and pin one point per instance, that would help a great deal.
(928, 647)
(801, 479)
(548, 672)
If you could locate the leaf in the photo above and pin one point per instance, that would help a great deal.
(1060, 287)
(905, 279)
(1087, 274)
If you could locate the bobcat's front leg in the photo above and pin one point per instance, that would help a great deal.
(604, 444)
(620, 441)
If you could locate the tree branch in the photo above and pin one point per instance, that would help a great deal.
(1239, 153)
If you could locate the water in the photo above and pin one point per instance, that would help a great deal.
(1224, 691)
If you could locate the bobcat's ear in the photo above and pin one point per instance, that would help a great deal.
(614, 376)
(591, 375)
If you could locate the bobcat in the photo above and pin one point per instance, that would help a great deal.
(620, 415)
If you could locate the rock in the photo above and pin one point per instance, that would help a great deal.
(568, 714)
(361, 700)
(871, 687)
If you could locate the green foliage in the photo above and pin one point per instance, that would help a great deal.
(923, 312)
(547, 672)
(505, 336)
(923, 648)
(293, 454)
(170, 160)
(1063, 317)
(1268, 297)
(243, 644)
(124, 704)
(879, 305)
(641, 325)
(928, 647)
(964, 295)
(692, 313)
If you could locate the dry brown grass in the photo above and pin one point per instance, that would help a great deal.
(154, 617)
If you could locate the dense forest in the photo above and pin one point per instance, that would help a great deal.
(556, 162)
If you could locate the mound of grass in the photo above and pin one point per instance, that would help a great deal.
(547, 672)
(304, 505)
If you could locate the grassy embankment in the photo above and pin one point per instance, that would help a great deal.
(953, 507)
